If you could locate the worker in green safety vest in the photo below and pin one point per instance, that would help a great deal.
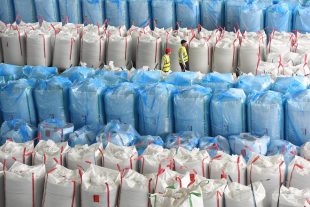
(183, 57)
(165, 62)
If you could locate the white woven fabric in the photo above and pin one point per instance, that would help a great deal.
(291, 197)
(200, 55)
(119, 50)
(305, 151)
(299, 173)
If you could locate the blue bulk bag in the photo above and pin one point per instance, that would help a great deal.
(143, 142)
(228, 113)
(291, 3)
(278, 17)
(93, 11)
(297, 117)
(7, 14)
(182, 79)
(141, 77)
(290, 84)
(139, 12)
(85, 135)
(86, 107)
(17, 101)
(39, 72)
(212, 14)
(163, 12)
(191, 110)
(187, 13)
(112, 78)
(287, 149)
(10, 72)
(121, 103)
(47, 10)
(51, 98)
(70, 11)
(266, 114)
(25, 10)
(250, 83)
(116, 12)
(232, 14)
(156, 109)
(246, 144)
(214, 144)
(218, 81)
(79, 73)
(17, 130)
(188, 140)
(55, 129)
(304, 2)
(301, 19)
(251, 18)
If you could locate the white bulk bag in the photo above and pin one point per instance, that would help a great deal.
(298, 70)
(39, 48)
(225, 55)
(298, 173)
(249, 55)
(237, 195)
(174, 42)
(81, 156)
(66, 50)
(225, 166)
(162, 179)
(291, 197)
(270, 170)
(195, 160)
(121, 30)
(120, 157)
(199, 55)
(2, 197)
(135, 32)
(11, 152)
(14, 47)
(99, 187)
(134, 189)
(267, 68)
(62, 188)
(24, 185)
(148, 52)
(305, 151)
(50, 153)
(119, 50)
(92, 50)
(213, 192)
(279, 46)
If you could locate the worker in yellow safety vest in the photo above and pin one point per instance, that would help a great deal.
(165, 62)
(183, 57)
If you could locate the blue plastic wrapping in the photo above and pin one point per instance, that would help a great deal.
(79, 73)
(191, 110)
(17, 101)
(228, 112)
(25, 9)
(156, 109)
(188, 140)
(214, 144)
(139, 12)
(51, 98)
(39, 72)
(143, 142)
(7, 13)
(93, 11)
(10, 72)
(232, 14)
(17, 130)
(301, 19)
(297, 117)
(212, 14)
(141, 77)
(182, 79)
(163, 12)
(86, 106)
(250, 83)
(112, 78)
(121, 103)
(304, 2)
(251, 18)
(47, 10)
(278, 17)
(246, 144)
(290, 84)
(85, 135)
(188, 13)
(283, 147)
(116, 12)
(70, 11)
(291, 3)
(218, 81)
(55, 129)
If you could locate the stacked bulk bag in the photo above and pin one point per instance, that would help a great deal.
(47, 10)
(191, 8)
(141, 18)
(116, 12)
(17, 101)
(99, 187)
(232, 14)
(214, 144)
(7, 14)
(250, 83)
(25, 181)
(183, 80)
(199, 55)
(297, 112)
(163, 19)
(163, 179)
(212, 14)
(249, 56)
(251, 18)
(156, 109)
(93, 11)
(70, 11)
(305, 151)
(298, 173)
(290, 197)
(266, 114)
(143, 142)
(39, 72)
(278, 17)
(79, 73)
(218, 81)
(191, 110)
(228, 112)
(55, 129)
(66, 50)
(290, 84)
(85, 103)
(85, 135)
(10, 72)
(212, 192)
(25, 10)
(187, 139)
(279, 44)
(112, 78)
(51, 98)
(283, 147)
(62, 187)
(301, 15)
(119, 51)
(144, 78)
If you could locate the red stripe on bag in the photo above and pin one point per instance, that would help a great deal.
(108, 194)
(73, 193)
(218, 194)
(298, 166)
(238, 165)
(254, 160)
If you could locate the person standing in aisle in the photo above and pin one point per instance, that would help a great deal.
(183, 57)
(165, 61)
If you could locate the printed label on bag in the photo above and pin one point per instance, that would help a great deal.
(96, 198)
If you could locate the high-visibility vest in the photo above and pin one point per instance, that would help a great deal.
(182, 50)
(166, 65)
